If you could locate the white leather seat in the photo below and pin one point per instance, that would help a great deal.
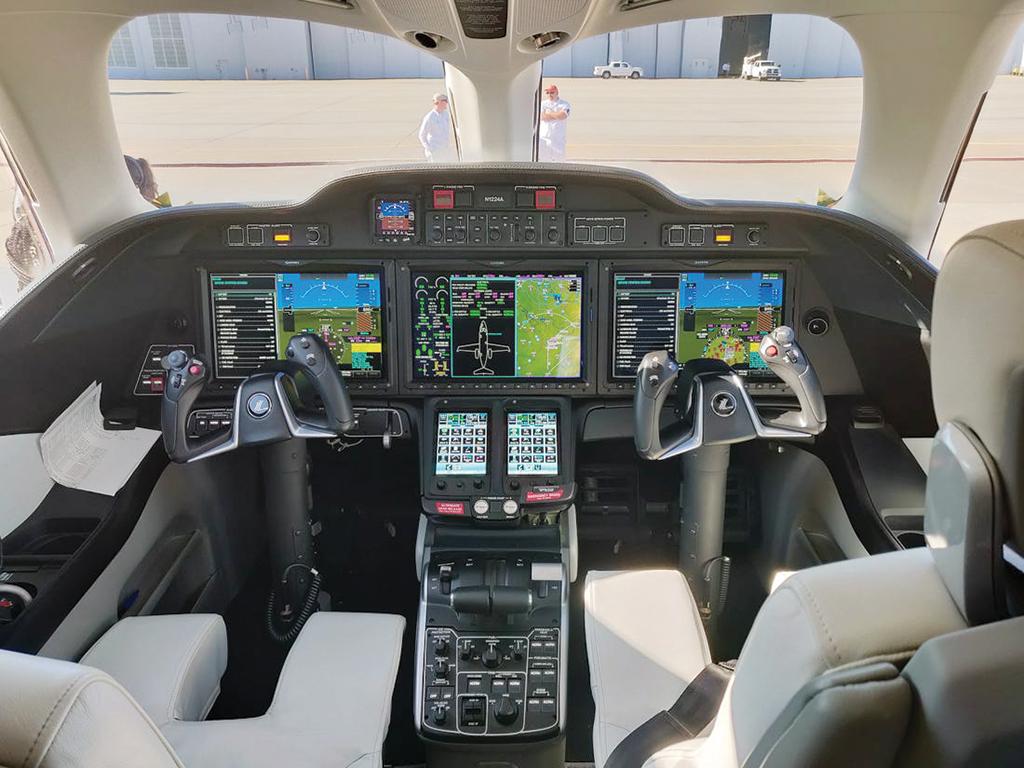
(139, 696)
(831, 673)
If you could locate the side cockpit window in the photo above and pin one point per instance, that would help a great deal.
(26, 252)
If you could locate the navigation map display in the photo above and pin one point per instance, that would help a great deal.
(532, 443)
(510, 326)
(254, 316)
(461, 443)
(721, 315)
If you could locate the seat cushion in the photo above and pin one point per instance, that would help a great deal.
(332, 706)
(645, 643)
(56, 714)
(171, 665)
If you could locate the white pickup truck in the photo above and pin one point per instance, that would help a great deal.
(619, 69)
(756, 68)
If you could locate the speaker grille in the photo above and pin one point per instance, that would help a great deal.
(533, 17)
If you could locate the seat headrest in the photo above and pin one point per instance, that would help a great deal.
(977, 356)
(974, 502)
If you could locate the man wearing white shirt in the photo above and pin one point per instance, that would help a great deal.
(554, 112)
(436, 132)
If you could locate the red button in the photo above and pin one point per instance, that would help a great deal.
(544, 198)
(444, 198)
(771, 351)
(6, 602)
(195, 369)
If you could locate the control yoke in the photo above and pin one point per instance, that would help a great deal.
(263, 410)
(715, 407)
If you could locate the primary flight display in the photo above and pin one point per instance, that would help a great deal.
(720, 315)
(511, 326)
(254, 316)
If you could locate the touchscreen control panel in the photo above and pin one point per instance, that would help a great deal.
(721, 315)
(255, 314)
(494, 460)
(461, 443)
(532, 443)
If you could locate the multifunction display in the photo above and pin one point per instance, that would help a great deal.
(721, 315)
(254, 316)
(510, 326)
(461, 443)
(532, 443)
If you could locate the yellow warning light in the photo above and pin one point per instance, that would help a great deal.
(282, 237)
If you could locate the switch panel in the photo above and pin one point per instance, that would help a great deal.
(490, 685)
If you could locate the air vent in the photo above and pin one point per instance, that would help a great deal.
(341, 5)
(547, 39)
(430, 41)
(607, 492)
(632, 5)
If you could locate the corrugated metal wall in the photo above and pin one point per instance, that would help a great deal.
(220, 46)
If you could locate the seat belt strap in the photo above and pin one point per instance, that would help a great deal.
(696, 706)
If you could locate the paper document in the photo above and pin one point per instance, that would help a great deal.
(79, 453)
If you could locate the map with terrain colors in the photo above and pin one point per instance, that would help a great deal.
(549, 313)
(724, 315)
(345, 309)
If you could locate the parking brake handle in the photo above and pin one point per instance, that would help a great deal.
(784, 357)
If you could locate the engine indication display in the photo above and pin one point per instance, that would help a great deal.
(510, 326)
(254, 316)
(461, 443)
(532, 443)
(720, 315)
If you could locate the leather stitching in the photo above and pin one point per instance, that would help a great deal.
(186, 666)
(46, 722)
(807, 597)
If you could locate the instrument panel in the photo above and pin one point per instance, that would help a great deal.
(557, 284)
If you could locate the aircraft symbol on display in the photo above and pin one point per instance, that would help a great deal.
(483, 350)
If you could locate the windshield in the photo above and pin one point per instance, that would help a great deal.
(222, 108)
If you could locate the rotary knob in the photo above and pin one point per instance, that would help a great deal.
(440, 645)
(491, 658)
(506, 710)
(439, 713)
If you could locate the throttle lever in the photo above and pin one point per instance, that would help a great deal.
(787, 360)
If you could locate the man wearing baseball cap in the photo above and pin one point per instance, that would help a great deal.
(436, 132)
(554, 112)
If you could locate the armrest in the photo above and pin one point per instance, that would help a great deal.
(171, 665)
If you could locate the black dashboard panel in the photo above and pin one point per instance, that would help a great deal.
(145, 284)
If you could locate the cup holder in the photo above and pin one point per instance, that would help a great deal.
(910, 539)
